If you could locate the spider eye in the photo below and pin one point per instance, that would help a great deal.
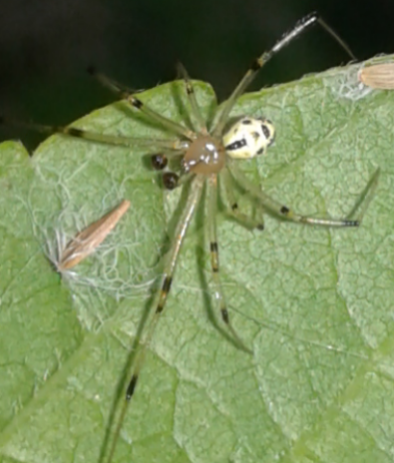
(249, 137)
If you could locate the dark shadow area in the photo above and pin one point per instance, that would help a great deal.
(46, 46)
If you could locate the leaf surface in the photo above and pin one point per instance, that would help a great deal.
(314, 305)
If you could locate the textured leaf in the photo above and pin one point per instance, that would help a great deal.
(314, 305)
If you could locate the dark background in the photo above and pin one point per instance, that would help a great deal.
(46, 45)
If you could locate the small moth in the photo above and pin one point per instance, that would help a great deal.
(87, 240)
(379, 76)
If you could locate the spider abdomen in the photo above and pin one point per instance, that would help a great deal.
(249, 137)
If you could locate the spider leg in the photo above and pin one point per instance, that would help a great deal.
(169, 269)
(362, 203)
(300, 27)
(288, 214)
(138, 104)
(97, 137)
(248, 222)
(214, 248)
(195, 109)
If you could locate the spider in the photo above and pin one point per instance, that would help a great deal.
(207, 159)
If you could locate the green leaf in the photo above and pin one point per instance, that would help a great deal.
(314, 305)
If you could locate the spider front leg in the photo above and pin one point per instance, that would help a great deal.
(214, 249)
(116, 140)
(136, 103)
(169, 269)
(171, 260)
(198, 119)
(288, 214)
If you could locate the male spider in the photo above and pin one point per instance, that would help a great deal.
(208, 156)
